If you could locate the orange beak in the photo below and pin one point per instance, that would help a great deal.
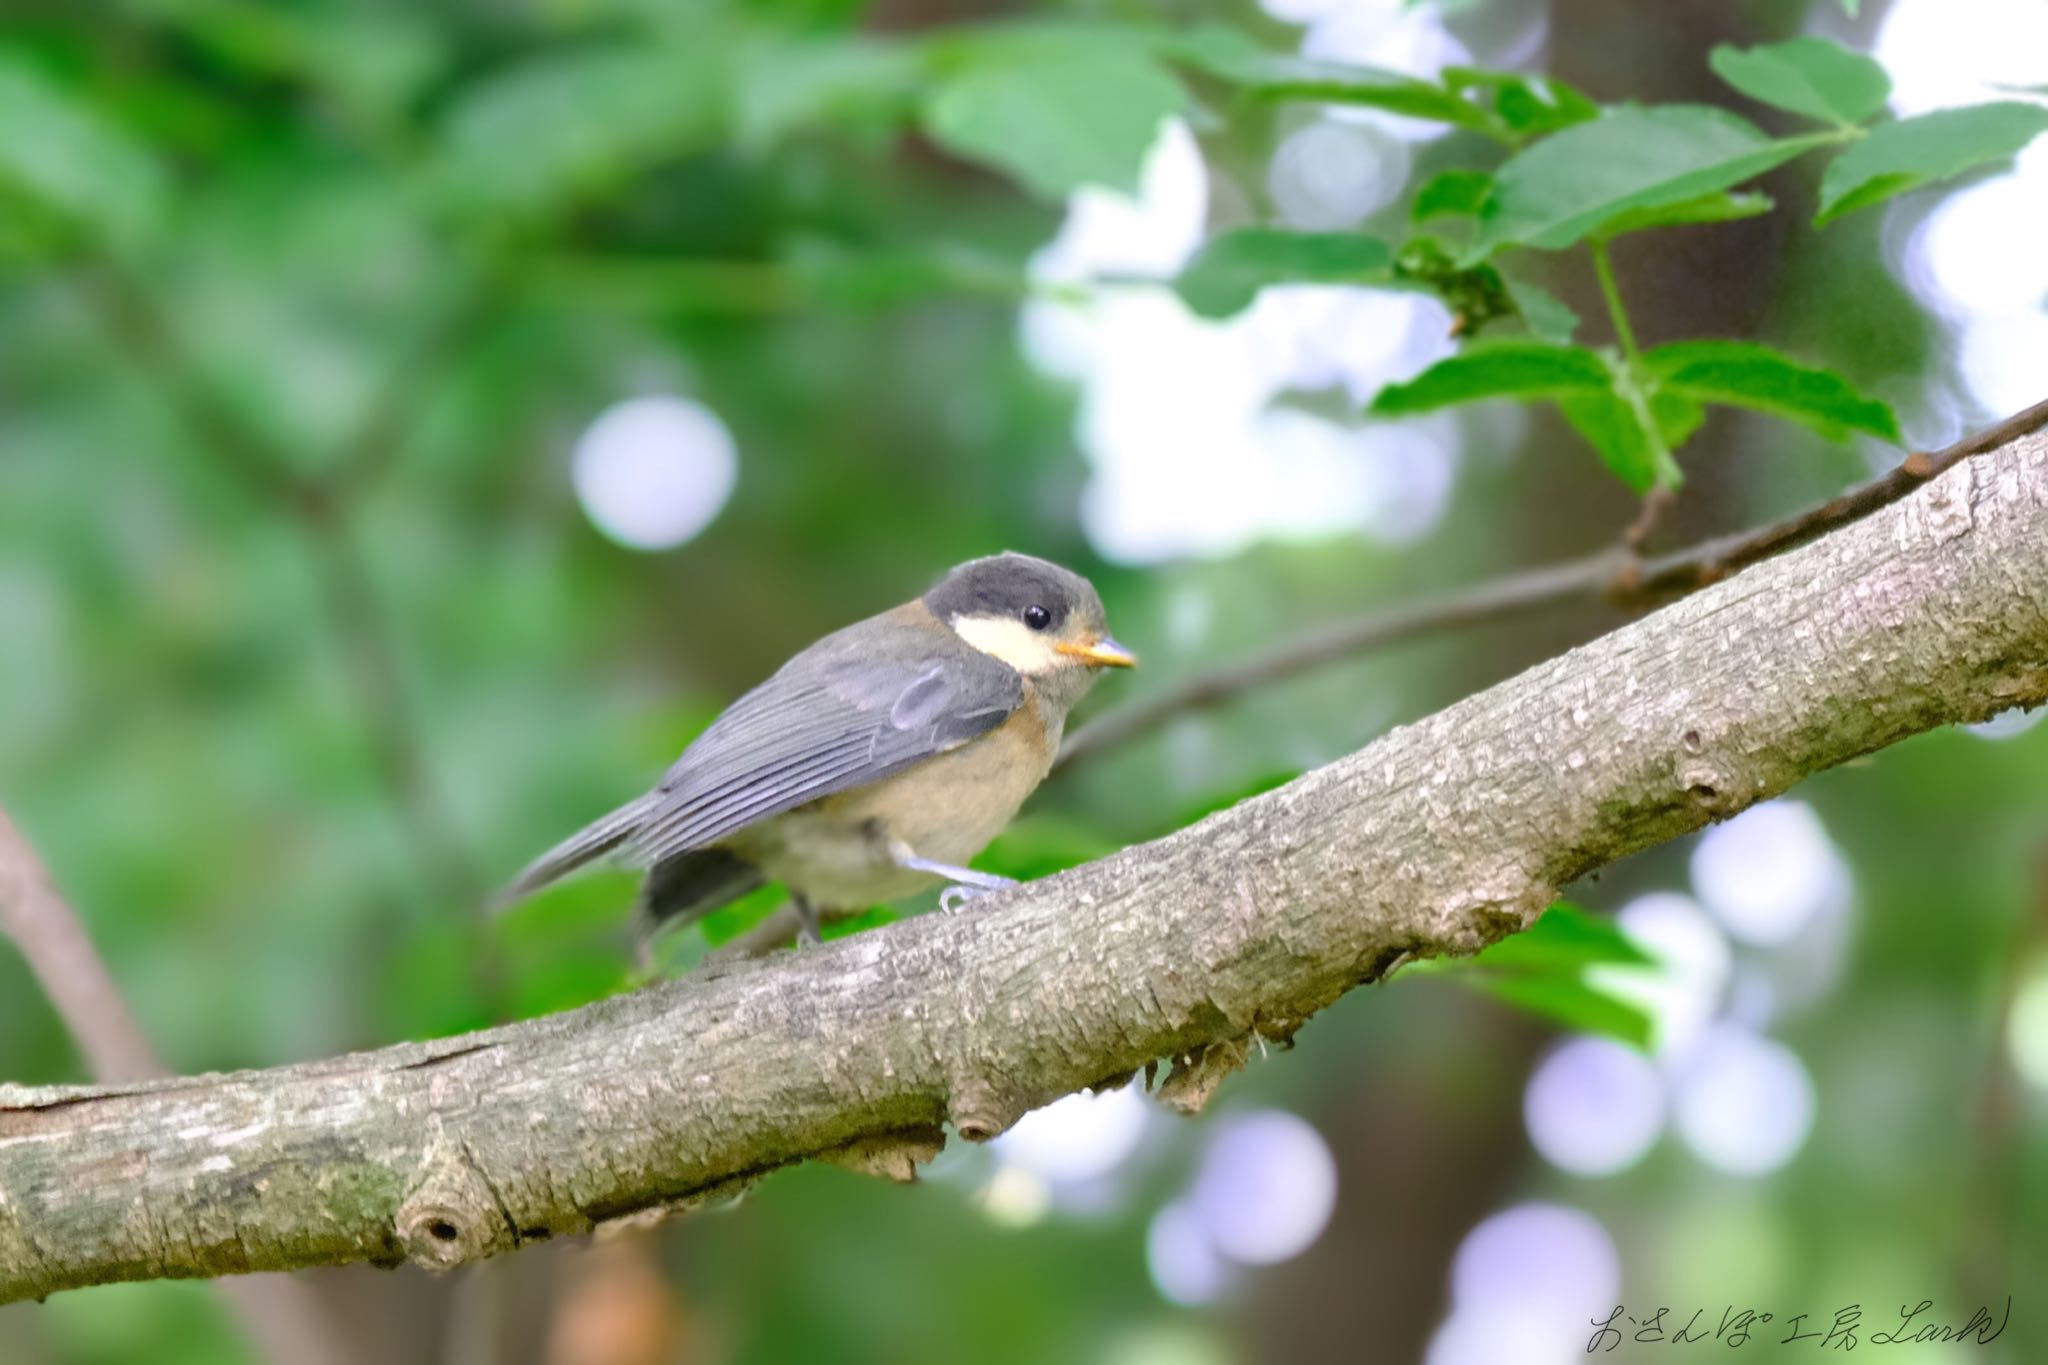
(1101, 652)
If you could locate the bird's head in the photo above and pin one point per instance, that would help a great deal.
(1044, 621)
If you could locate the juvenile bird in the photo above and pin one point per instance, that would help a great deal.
(875, 763)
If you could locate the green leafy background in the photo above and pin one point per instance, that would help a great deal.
(305, 643)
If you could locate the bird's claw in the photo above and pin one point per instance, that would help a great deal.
(956, 896)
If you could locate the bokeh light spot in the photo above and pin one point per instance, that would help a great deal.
(1593, 1106)
(1744, 1104)
(651, 472)
(1079, 1138)
(1016, 1198)
(2026, 1032)
(1766, 873)
(1185, 1268)
(1327, 175)
(2008, 724)
(1524, 1284)
(1945, 53)
(1684, 988)
(1267, 1187)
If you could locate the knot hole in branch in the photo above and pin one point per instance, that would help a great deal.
(980, 1112)
(451, 1216)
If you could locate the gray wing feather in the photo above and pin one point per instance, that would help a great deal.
(858, 706)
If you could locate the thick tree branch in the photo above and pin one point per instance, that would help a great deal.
(1435, 839)
(1616, 575)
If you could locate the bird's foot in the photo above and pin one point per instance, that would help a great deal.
(967, 883)
(955, 897)
(809, 929)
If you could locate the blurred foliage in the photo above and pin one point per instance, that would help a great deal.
(1544, 969)
(305, 643)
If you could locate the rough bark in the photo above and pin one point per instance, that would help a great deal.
(1435, 839)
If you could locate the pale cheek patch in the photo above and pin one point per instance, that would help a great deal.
(1016, 644)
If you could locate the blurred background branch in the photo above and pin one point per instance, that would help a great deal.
(317, 502)
(61, 955)
(1618, 577)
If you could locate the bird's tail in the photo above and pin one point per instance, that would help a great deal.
(591, 842)
(687, 886)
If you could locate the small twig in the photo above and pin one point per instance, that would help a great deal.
(282, 1316)
(316, 504)
(140, 329)
(372, 671)
(368, 454)
(1611, 574)
(63, 961)
(1656, 503)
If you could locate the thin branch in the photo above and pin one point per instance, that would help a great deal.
(1612, 575)
(370, 452)
(316, 505)
(1493, 601)
(1436, 839)
(371, 668)
(62, 959)
(140, 329)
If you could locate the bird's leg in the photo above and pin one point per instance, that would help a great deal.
(966, 882)
(807, 921)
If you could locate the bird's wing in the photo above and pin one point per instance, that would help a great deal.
(852, 709)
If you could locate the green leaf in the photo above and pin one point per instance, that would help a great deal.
(1897, 157)
(1030, 41)
(1572, 1002)
(1565, 936)
(888, 277)
(1056, 122)
(1258, 71)
(371, 62)
(1543, 313)
(1570, 184)
(1232, 268)
(1498, 369)
(791, 83)
(1745, 375)
(1612, 427)
(1544, 969)
(544, 134)
(1721, 206)
(60, 154)
(1529, 106)
(1452, 194)
(1809, 76)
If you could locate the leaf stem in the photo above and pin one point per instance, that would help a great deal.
(1636, 384)
(1610, 291)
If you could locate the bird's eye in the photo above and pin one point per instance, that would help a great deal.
(1038, 618)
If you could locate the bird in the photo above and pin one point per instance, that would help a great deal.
(876, 763)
